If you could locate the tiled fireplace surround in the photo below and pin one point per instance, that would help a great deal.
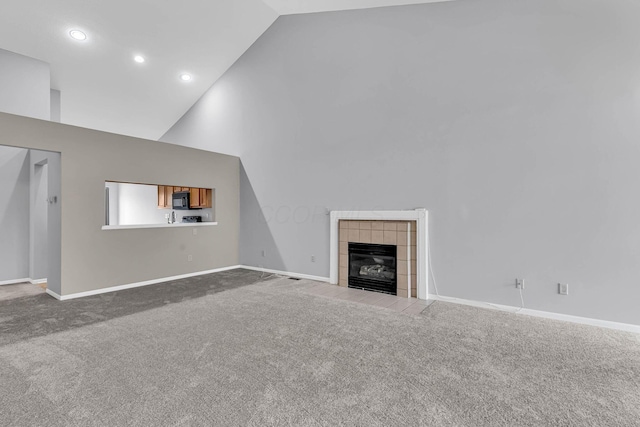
(402, 234)
(407, 229)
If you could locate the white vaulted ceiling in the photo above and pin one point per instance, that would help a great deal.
(290, 7)
(102, 86)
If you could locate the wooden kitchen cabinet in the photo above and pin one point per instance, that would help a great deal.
(195, 197)
(206, 197)
(200, 197)
(162, 201)
(164, 196)
(165, 193)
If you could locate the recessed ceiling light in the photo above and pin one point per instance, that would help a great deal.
(139, 59)
(77, 35)
(185, 77)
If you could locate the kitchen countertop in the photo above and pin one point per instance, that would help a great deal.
(174, 225)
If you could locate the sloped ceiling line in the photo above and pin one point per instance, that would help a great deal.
(103, 88)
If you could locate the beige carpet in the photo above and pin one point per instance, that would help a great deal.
(229, 349)
(19, 290)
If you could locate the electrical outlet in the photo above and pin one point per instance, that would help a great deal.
(520, 283)
(313, 258)
(195, 231)
(264, 253)
(563, 288)
(190, 258)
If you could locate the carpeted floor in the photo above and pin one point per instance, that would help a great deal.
(19, 290)
(235, 349)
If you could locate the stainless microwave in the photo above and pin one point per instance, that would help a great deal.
(181, 200)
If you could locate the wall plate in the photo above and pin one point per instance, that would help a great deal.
(563, 288)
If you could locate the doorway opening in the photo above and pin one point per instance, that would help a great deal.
(38, 258)
(30, 221)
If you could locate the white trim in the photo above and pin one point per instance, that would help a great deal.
(25, 280)
(511, 309)
(163, 225)
(138, 284)
(53, 294)
(409, 284)
(15, 281)
(286, 273)
(543, 314)
(421, 216)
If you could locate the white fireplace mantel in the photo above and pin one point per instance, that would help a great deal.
(421, 216)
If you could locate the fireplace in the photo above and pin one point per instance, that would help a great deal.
(373, 267)
(406, 229)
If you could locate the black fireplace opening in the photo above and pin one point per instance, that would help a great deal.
(372, 267)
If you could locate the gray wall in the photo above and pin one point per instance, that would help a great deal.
(55, 105)
(14, 214)
(54, 222)
(25, 90)
(39, 230)
(27, 222)
(24, 86)
(114, 202)
(91, 258)
(514, 123)
(44, 173)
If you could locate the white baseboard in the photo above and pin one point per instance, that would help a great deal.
(25, 280)
(15, 281)
(286, 273)
(511, 309)
(53, 294)
(182, 276)
(138, 284)
(544, 314)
